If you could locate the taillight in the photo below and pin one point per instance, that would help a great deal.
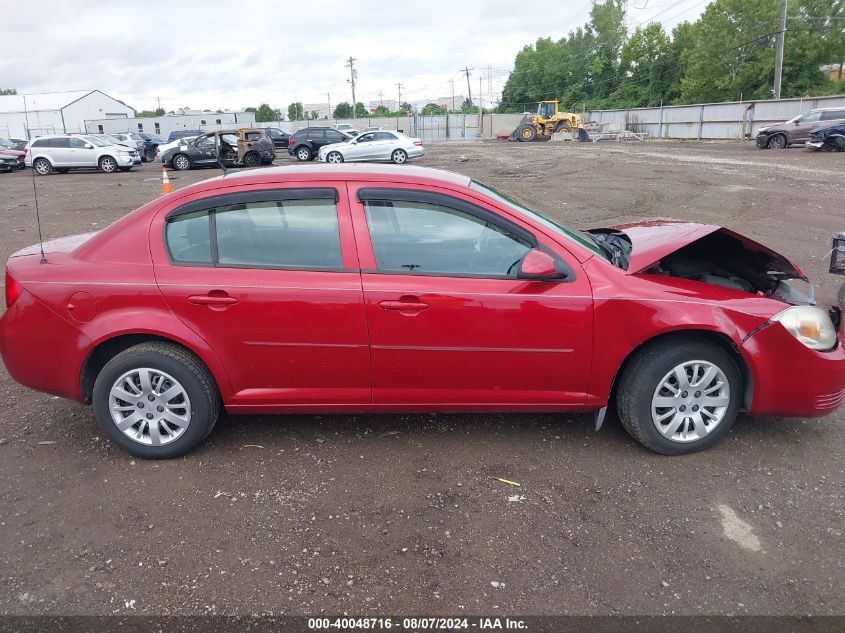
(418, 143)
(13, 290)
(290, 142)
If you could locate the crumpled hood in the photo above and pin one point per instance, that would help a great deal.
(655, 238)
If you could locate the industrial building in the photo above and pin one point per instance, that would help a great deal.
(26, 116)
(164, 125)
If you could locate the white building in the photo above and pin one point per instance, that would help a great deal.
(164, 125)
(26, 116)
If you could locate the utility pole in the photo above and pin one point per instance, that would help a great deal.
(466, 71)
(331, 114)
(452, 83)
(353, 75)
(158, 99)
(380, 98)
(480, 108)
(779, 53)
(400, 86)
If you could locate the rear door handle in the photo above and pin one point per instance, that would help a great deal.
(404, 304)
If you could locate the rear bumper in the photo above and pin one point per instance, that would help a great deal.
(40, 349)
(791, 379)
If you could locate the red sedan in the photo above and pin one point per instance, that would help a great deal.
(363, 288)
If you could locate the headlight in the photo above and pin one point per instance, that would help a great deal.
(123, 152)
(810, 325)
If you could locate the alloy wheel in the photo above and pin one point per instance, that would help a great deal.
(690, 401)
(182, 163)
(399, 156)
(334, 158)
(42, 167)
(107, 164)
(149, 406)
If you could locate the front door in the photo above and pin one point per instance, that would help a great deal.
(450, 324)
(799, 131)
(269, 278)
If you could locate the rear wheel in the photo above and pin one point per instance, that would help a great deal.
(526, 133)
(42, 166)
(399, 156)
(778, 141)
(303, 154)
(156, 400)
(181, 162)
(108, 164)
(678, 398)
(839, 142)
(252, 160)
(335, 158)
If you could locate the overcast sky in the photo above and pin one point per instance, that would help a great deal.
(211, 54)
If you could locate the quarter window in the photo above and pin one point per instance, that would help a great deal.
(833, 115)
(415, 237)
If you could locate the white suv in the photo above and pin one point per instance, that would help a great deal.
(62, 152)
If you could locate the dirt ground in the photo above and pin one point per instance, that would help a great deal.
(404, 513)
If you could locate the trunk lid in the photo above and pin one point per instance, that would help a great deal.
(59, 245)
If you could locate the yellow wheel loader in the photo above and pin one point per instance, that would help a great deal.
(548, 120)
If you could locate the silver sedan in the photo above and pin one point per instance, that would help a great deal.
(382, 145)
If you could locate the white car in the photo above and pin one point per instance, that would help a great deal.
(63, 152)
(346, 127)
(381, 146)
(162, 149)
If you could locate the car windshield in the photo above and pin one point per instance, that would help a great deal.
(96, 140)
(582, 239)
(5, 143)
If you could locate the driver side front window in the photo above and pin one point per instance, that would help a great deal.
(418, 237)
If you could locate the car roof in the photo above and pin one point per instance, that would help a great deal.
(344, 171)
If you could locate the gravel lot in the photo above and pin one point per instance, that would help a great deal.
(404, 513)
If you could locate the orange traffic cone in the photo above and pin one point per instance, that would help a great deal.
(166, 187)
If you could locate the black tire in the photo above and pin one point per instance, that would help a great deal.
(639, 382)
(42, 166)
(252, 159)
(526, 133)
(839, 143)
(334, 157)
(562, 127)
(303, 153)
(777, 141)
(180, 162)
(182, 365)
(107, 164)
(399, 156)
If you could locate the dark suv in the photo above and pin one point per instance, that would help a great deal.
(305, 144)
(798, 129)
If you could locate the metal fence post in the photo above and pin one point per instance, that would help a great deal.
(660, 124)
(700, 121)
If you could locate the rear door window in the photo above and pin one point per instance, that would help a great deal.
(62, 142)
(833, 115)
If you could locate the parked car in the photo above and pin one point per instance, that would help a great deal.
(114, 140)
(62, 152)
(373, 288)
(246, 147)
(374, 146)
(151, 142)
(7, 149)
(828, 137)
(346, 128)
(19, 143)
(133, 140)
(797, 129)
(372, 128)
(7, 163)
(305, 144)
(280, 137)
(161, 150)
(177, 134)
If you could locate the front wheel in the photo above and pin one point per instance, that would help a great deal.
(156, 400)
(399, 156)
(42, 167)
(839, 143)
(778, 141)
(303, 154)
(335, 158)
(678, 398)
(252, 160)
(108, 164)
(181, 162)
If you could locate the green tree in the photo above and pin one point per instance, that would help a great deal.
(361, 110)
(296, 112)
(149, 113)
(8, 91)
(264, 113)
(433, 109)
(343, 110)
(643, 68)
(468, 107)
(381, 111)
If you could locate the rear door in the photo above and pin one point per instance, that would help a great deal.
(269, 278)
(383, 145)
(450, 324)
(800, 130)
(60, 153)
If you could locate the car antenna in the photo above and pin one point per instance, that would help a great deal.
(35, 193)
(217, 140)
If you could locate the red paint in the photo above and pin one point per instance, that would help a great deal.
(354, 339)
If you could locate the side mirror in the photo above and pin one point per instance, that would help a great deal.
(88, 146)
(540, 266)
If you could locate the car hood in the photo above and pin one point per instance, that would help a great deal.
(12, 152)
(653, 239)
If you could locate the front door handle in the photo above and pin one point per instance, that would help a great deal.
(406, 305)
(214, 299)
